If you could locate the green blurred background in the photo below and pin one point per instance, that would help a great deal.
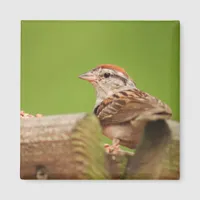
(54, 53)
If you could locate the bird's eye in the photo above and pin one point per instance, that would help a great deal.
(106, 75)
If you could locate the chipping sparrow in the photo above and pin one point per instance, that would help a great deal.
(123, 109)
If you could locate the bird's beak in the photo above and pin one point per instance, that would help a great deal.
(88, 76)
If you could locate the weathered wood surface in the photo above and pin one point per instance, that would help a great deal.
(70, 147)
(157, 155)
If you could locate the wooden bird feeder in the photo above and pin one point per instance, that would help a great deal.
(71, 147)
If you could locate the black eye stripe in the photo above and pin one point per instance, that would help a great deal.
(106, 75)
(121, 78)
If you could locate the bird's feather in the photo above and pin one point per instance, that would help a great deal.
(131, 104)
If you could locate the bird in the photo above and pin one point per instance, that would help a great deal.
(122, 109)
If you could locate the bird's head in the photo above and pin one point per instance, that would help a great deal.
(108, 79)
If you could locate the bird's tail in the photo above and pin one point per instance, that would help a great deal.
(152, 149)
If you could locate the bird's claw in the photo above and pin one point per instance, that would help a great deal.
(114, 149)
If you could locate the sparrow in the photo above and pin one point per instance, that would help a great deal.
(123, 109)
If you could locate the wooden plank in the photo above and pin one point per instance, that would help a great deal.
(70, 147)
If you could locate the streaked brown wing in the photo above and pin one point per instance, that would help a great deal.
(127, 105)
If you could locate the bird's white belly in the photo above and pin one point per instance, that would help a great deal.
(118, 131)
